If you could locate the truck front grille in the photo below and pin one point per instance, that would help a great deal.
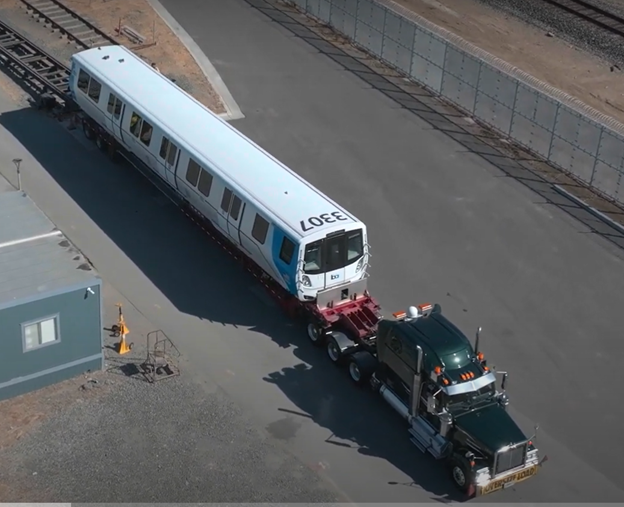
(510, 459)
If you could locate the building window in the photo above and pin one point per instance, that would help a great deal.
(287, 251)
(260, 229)
(40, 333)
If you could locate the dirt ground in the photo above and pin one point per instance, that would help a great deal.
(547, 58)
(168, 52)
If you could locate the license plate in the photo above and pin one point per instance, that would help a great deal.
(509, 481)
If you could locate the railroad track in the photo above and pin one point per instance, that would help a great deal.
(70, 24)
(593, 14)
(33, 66)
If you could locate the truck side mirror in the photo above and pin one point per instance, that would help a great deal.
(476, 345)
(504, 381)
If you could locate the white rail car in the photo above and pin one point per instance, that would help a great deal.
(300, 237)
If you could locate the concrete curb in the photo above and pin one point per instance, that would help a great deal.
(232, 111)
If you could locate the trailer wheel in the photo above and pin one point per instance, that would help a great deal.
(361, 367)
(100, 142)
(88, 131)
(461, 474)
(333, 351)
(316, 335)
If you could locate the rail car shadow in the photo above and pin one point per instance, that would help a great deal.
(358, 420)
(513, 161)
(200, 279)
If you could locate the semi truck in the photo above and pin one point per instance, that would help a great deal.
(429, 372)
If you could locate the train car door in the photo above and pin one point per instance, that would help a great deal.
(334, 258)
(230, 214)
(169, 154)
(237, 210)
(116, 109)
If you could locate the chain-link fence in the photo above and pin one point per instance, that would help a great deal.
(563, 135)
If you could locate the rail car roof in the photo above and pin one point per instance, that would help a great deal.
(273, 185)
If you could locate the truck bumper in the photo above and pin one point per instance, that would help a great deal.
(506, 480)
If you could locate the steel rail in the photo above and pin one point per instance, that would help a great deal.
(595, 15)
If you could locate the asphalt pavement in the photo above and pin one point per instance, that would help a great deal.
(445, 226)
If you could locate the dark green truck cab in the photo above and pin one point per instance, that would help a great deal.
(428, 371)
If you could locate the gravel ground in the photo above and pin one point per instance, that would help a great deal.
(168, 442)
(566, 26)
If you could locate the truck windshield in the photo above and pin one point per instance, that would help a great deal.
(333, 252)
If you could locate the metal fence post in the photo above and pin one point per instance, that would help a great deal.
(591, 180)
(619, 180)
(411, 64)
(383, 34)
(552, 137)
(474, 106)
(513, 109)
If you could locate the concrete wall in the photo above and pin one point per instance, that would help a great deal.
(567, 133)
(79, 348)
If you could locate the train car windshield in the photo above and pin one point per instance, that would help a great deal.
(333, 252)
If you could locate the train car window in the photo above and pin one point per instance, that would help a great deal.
(135, 124)
(355, 246)
(146, 133)
(334, 253)
(225, 201)
(192, 172)
(287, 250)
(260, 229)
(111, 102)
(171, 156)
(313, 260)
(205, 182)
(164, 146)
(236, 206)
(118, 106)
(83, 81)
(95, 88)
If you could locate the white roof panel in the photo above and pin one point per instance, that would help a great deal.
(225, 150)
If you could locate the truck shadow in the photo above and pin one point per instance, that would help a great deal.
(358, 420)
(200, 279)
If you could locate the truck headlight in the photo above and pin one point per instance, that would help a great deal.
(306, 281)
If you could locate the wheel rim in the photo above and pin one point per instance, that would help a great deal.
(99, 142)
(458, 476)
(333, 351)
(355, 373)
(313, 332)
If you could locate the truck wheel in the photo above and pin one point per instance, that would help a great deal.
(100, 143)
(461, 474)
(88, 131)
(333, 351)
(361, 367)
(316, 334)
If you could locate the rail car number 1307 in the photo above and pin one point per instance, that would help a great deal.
(326, 218)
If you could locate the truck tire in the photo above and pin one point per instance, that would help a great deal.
(334, 351)
(316, 334)
(361, 367)
(461, 474)
(100, 142)
(88, 131)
